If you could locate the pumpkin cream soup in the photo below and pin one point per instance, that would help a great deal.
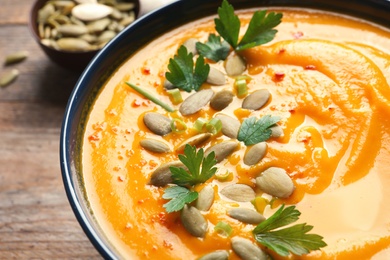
(246, 135)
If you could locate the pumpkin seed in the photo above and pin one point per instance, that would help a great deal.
(116, 14)
(162, 176)
(222, 150)
(98, 26)
(154, 145)
(196, 102)
(127, 20)
(193, 221)
(230, 126)
(234, 65)
(72, 29)
(238, 192)
(73, 44)
(255, 153)
(194, 141)
(85, 1)
(91, 11)
(62, 19)
(47, 32)
(221, 100)
(276, 182)
(256, 100)
(216, 77)
(45, 12)
(244, 215)
(190, 44)
(16, 57)
(276, 131)
(63, 4)
(8, 77)
(246, 250)
(89, 38)
(123, 7)
(205, 198)
(216, 255)
(168, 85)
(106, 36)
(157, 123)
(74, 20)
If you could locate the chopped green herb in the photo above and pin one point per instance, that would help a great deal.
(200, 168)
(214, 49)
(292, 239)
(214, 126)
(178, 196)
(176, 95)
(223, 229)
(242, 87)
(178, 126)
(253, 131)
(182, 73)
(228, 24)
(200, 124)
(151, 97)
(260, 29)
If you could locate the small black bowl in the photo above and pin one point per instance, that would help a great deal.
(76, 61)
(128, 42)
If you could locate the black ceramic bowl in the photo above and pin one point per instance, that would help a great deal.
(128, 42)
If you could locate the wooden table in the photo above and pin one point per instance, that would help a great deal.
(36, 221)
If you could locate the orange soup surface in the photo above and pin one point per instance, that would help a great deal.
(329, 78)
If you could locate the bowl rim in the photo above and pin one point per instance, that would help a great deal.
(80, 90)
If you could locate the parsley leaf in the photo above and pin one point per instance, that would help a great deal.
(254, 131)
(228, 24)
(214, 49)
(200, 168)
(182, 73)
(292, 239)
(260, 29)
(179, 196)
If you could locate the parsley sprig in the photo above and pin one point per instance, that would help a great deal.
(260, 29)
(292, 239)
(178, 196)
(253, 131)
(182, 72)
(200, 169)
(214, 49)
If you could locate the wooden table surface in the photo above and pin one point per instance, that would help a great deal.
(36, 221)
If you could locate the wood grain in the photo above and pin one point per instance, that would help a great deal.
(36, 221)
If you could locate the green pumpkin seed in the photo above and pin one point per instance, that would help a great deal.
(238, 192)
(154, 145)
(276, 182)
(162, 176)
(193, 221)
(157, 123)
(205, 198)
(16, 57)
(216, 255)
(244, 215)
(8, 77)
(72, 30)
(222, 150)
(221, 100)
(196, 102)
(246, 250)
(73, 44)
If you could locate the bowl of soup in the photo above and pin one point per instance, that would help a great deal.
(236, 130)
